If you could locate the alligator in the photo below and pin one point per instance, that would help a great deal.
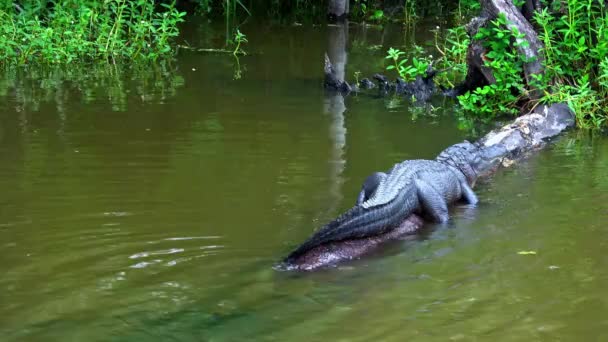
(421, 187)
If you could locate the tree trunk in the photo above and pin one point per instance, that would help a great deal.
(335, 60)
(336, 48)
(529, 8)
(478, 74)
(338, 9)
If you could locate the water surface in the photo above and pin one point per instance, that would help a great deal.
(153, 205)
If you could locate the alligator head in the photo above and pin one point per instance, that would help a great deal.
(473, 160)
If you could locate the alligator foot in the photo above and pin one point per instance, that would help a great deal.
(335, 252)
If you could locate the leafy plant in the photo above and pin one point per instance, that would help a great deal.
(360, 8)
(239, 38)
(408, 71)
(574, 34)
(357, 75)
(409, 12)
(506, 64)
(453, 49)
(378, 15)
(71, 30)
(575, 38)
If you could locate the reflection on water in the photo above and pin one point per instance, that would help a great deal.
(30, 87)
(163, 221)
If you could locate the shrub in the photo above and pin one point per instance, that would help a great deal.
(69, 30)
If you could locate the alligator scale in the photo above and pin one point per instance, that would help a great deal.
(422, 187)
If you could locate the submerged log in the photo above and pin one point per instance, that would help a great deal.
(334, 253)
(511, 142)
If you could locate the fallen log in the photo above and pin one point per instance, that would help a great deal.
(509, 143)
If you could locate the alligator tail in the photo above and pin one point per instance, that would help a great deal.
(322, 234)
(358, 222)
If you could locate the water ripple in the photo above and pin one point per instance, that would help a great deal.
(161, 252)
(192, 238)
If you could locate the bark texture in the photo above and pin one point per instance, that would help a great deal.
(529, 7)
(478, 75)
(338, 9)
(334, 102)
(336, 58)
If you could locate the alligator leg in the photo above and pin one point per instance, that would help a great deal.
(433, 204)
(467, 193)
(369, 186)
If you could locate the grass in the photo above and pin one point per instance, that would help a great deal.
(61, 32)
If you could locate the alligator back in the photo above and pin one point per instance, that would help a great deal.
(393, 200)
(399, 177)
(360, 222)
(409, 187)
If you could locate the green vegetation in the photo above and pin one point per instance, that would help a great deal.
(239, 38)
(450, 46)
(507, 68)
(453, 52)
(409, 12)
(64, 31)
(574, 34)
(575, 38)
(407, 71)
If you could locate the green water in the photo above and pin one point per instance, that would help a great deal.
(153, 206)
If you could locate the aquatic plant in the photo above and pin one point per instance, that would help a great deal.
(69, 30)
(406, 70)
(377, 15)
(239, 38)
(409, 12)
(229, 7)
(452, 47)
(357, 75)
